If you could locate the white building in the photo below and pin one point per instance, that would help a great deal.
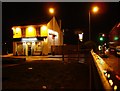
(36, 39)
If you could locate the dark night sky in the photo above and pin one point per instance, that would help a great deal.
(72, 14)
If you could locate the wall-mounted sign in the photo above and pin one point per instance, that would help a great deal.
(80, 37)
(28, 39)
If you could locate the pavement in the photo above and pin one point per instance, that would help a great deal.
(46, 57)
(32, 58)
(112, 61)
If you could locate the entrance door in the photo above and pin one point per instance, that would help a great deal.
(29, 45)
(29, 50)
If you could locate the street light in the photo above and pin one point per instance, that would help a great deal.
(51, 10)
(94, 9)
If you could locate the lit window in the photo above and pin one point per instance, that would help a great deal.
(44, 27)
(30, 29)
(18, 29)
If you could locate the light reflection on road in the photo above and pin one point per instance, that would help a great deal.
(113, 62)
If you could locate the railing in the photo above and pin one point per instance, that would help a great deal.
(108, 78)
(101, 75)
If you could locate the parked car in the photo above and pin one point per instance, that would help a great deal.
(117, 49)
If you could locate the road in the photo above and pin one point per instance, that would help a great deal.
(113, 62)
(46, 74)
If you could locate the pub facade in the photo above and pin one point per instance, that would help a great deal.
(36, 39)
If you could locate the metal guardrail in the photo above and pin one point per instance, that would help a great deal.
(105, 73)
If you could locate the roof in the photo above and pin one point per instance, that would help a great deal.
(116, 27)
(115, 31)
(32, 22)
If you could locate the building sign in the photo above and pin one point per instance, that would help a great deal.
(80, 37)
(28, 39)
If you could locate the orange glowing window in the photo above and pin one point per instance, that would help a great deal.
(30, 32)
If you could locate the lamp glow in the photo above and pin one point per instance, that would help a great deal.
(115, 88)
(81, 37)
(51, 10)
(108, 75)
(95, 9)
(111, 82)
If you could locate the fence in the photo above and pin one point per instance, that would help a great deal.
(70, 52)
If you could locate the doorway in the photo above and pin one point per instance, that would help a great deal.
(29, 49)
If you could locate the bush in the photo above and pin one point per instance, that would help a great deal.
(91, 45)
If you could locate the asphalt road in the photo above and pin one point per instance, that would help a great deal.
(113, 62)
(41, 74)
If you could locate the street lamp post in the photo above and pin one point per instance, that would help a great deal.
(80, 35)
(80, 39)
(51, 10)
(89, 27)
(94, 9)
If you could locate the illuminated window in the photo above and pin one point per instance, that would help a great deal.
(16, 32)
(18, 29)
(30, 29)
(44, 31)
(30, 32)
(44, 27)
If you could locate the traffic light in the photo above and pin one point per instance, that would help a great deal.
(101, 38)
(116, 38)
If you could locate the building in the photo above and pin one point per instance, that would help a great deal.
(114, 35)
(36, 39)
